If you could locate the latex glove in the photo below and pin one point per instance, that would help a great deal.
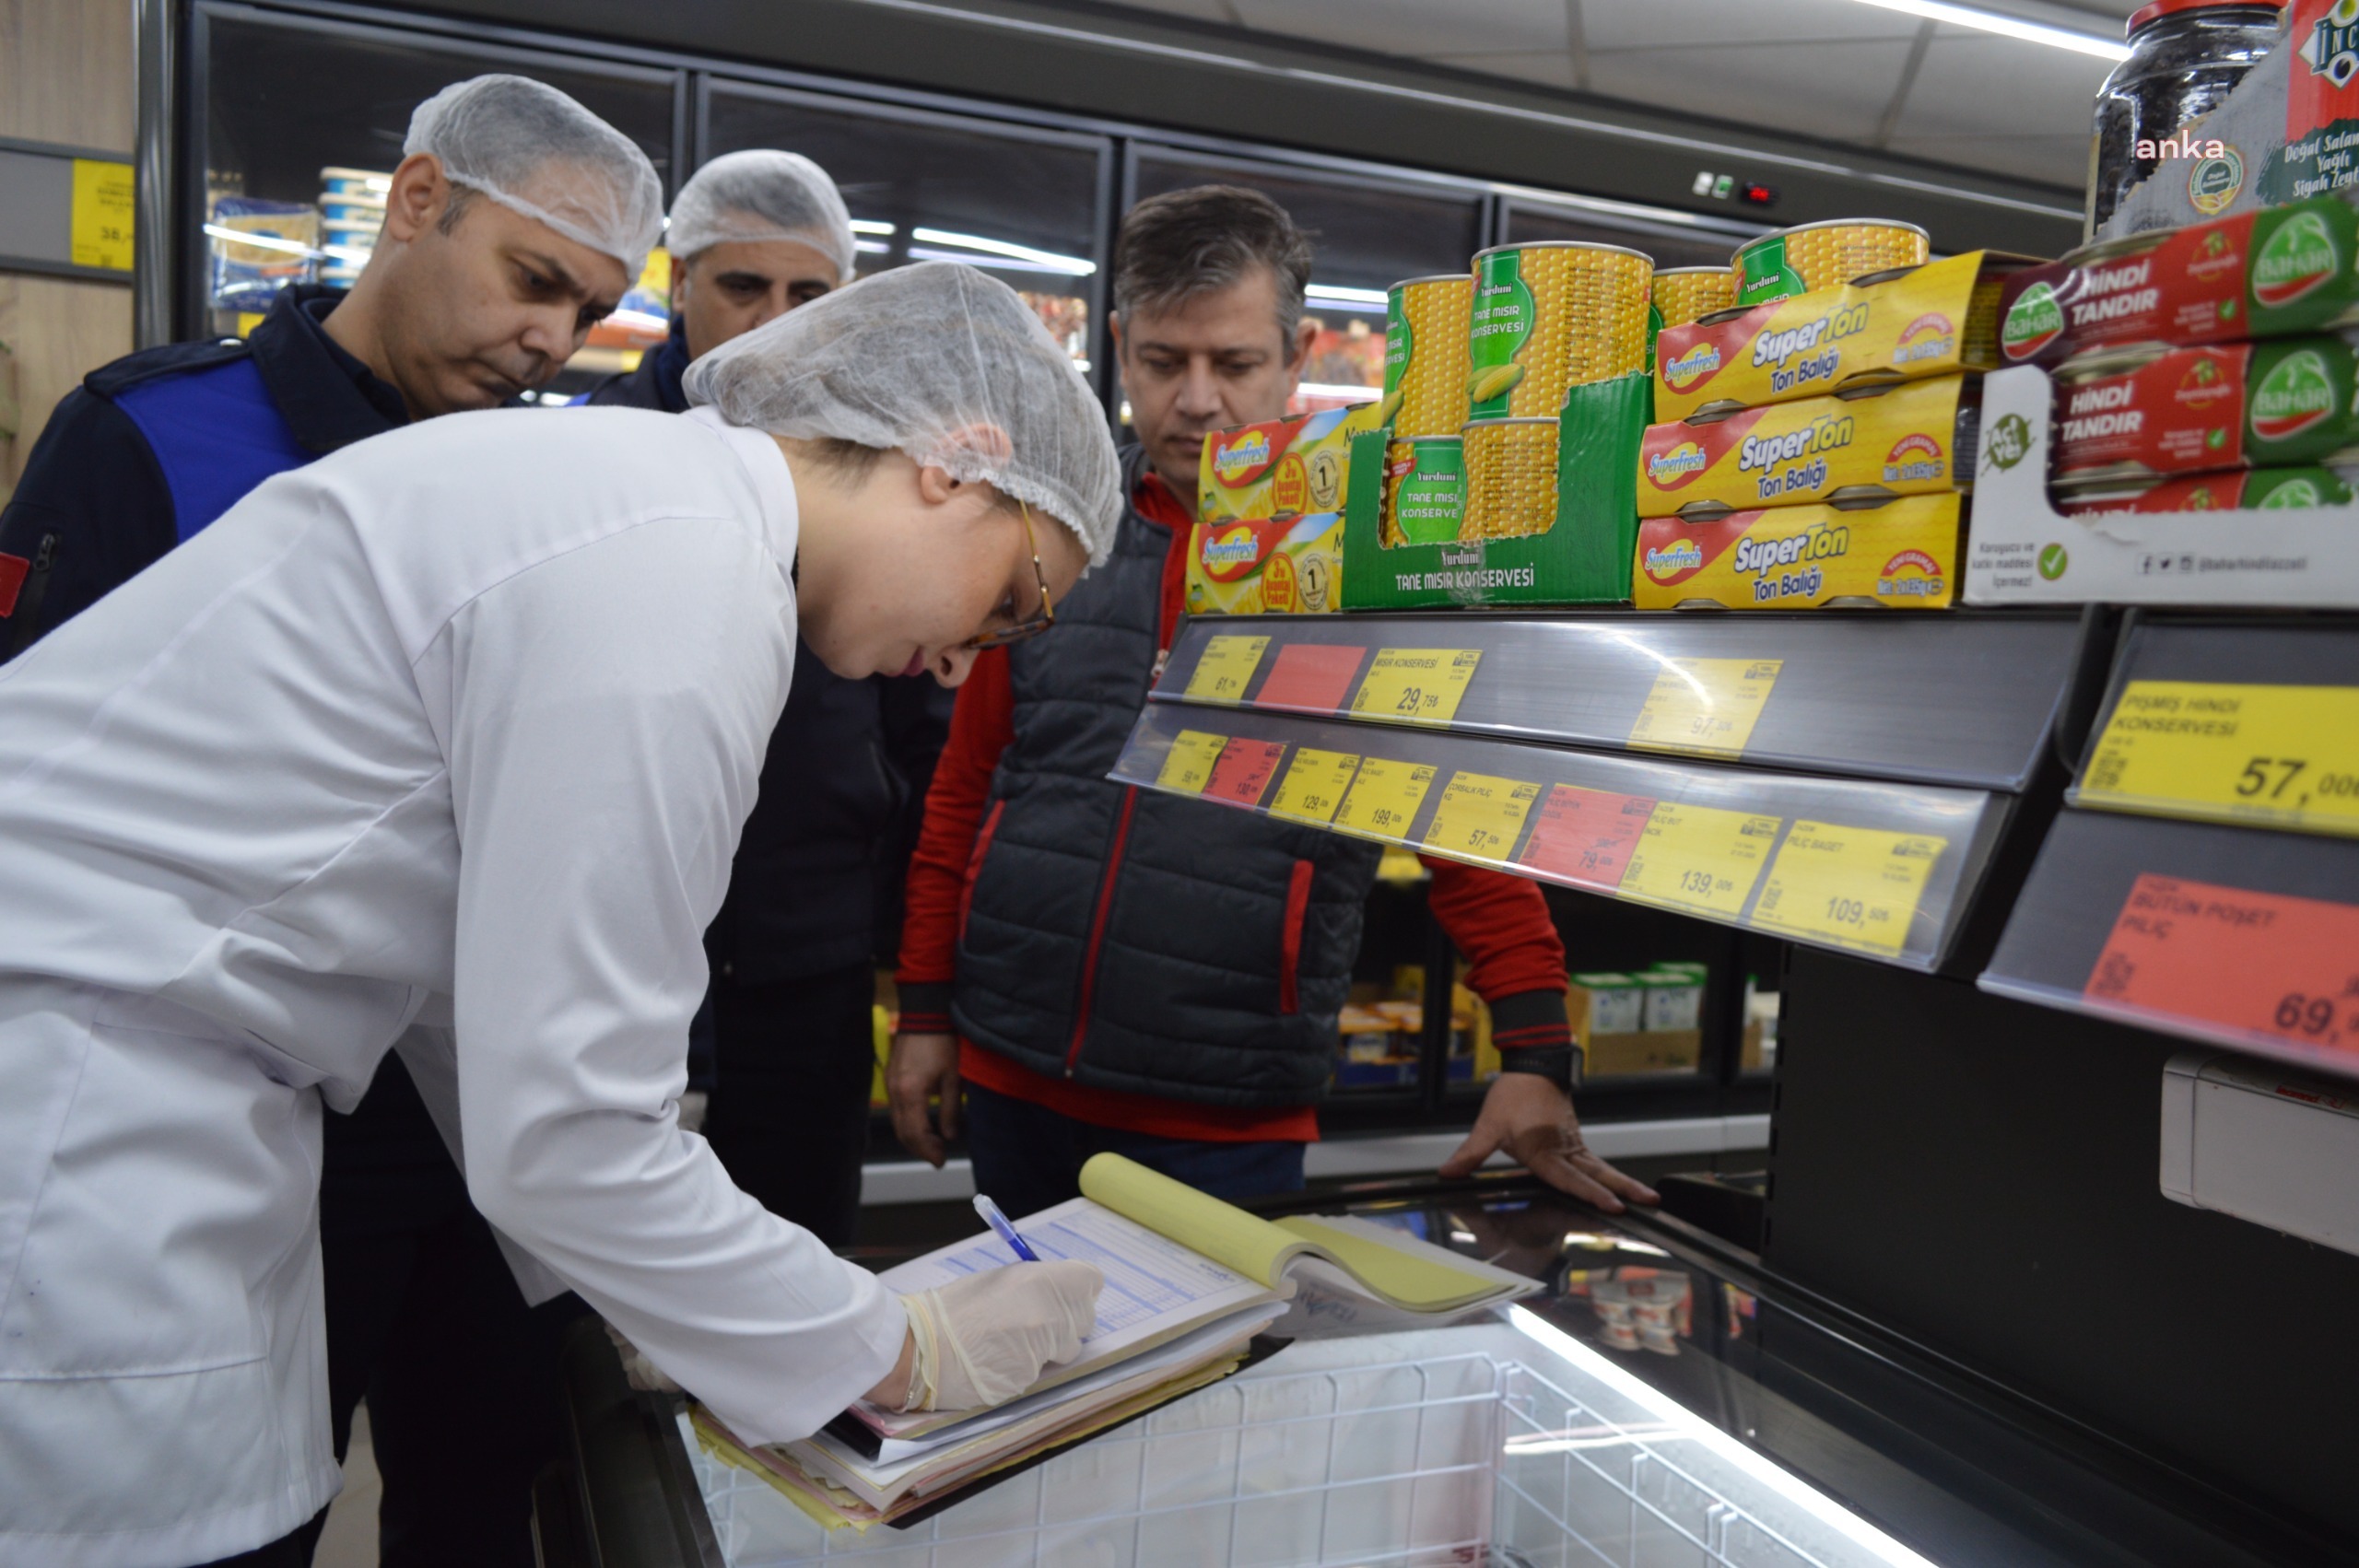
(982, 1340)
(642, 1373)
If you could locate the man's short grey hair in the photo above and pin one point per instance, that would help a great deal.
(1185, 244)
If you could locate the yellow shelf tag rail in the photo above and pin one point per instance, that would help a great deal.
(1704, 707)
(1854, 886)
(1225, 668)
(1314, 785)
(2265, 755)
(1189, 761)
(1699, 857)
(1384, 799)
(1419, 685)
(101, 224)
(1479, 817)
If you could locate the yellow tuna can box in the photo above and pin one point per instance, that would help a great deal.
(1900, 555)
(1915, 439)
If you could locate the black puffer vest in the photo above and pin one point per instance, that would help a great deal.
(1129, 940)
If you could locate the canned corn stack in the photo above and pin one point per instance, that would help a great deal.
(1510, 478)
(1424, 354)
(1549, 316)
(1686, 294)
(1824, 255)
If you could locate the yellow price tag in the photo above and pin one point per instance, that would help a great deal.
(2287, 756)
(1705, 706)
(1224, 668)
(1479, 817)
(1699, 857)
(1858, 886)
(101, 224)
(1189, 761)
(1421, 686)
(1314, 781)
(1384, 799)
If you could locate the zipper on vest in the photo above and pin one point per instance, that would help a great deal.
(1098, 929)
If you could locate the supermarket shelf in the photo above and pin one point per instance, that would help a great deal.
(1966, 699)
(2238, 937)
(2279, 751)
(1882, 870)
(910, 1181)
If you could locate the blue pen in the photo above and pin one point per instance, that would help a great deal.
(998, 1222)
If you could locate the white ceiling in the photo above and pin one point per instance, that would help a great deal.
(1839, 70)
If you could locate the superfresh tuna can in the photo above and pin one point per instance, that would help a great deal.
(1425, 490)
(1424, 356)
(1549, 316)
(1510, 478)
(1686, 294)
(1825, 255)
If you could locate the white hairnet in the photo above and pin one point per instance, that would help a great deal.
(536, 151)
(762, 195)
(940, 362)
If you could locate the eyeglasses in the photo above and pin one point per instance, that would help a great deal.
(1031, 626)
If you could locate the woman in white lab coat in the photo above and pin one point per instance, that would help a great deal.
(448, 737)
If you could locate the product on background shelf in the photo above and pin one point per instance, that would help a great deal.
(2267, 274)
(2251, 489)
(2274, 404)
(1647, 1022)
(1683, 293)
(1935, 320)
(1510, 478)
(284, 249)
(2184, 62)
(352, 211)
(1425, 489)
(1903, 555)
(1827, 255)
(1915, 439)
(1551, 316)
(1424, 356)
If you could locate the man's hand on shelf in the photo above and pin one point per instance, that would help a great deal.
(923, 1067)
(1533, 1119)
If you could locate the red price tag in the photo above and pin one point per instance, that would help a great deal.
(1311, 677)
(2275, 972)
(1586, 835)
(1243, 771)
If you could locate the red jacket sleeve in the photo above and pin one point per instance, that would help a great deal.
(980, 727)
(1515, 960)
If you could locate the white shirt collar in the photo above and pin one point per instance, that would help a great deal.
(773, 481)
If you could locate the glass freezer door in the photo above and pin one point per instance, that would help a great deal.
(298, 123)
(1025, 205)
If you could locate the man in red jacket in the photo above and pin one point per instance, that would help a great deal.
(1089, 966)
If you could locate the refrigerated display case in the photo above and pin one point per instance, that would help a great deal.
(293, 114)
(1664, 1399)
(1025, 204)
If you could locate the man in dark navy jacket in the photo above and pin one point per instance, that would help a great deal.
(465, 301)
(818, 867)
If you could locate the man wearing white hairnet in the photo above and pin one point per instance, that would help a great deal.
(818, 871)
(448, 737)
(515, 220)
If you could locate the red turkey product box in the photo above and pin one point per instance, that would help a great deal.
(2192, 410)
(2251, 489)
(2267, 274)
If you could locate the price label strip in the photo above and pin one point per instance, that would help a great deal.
(1704, 707)
(2276, 972)
(1243, 771)
(2277, 757)
(1313, 786)
(1854, 886)
(1311, 677)
(1384, 799)
(1479, 817)
(101, 222)
(1417, 685)
(1586, 836)
(1189, 761)
(1699, 857)
(1225, 668)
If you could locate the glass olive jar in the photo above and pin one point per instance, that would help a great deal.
(2185, 56)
